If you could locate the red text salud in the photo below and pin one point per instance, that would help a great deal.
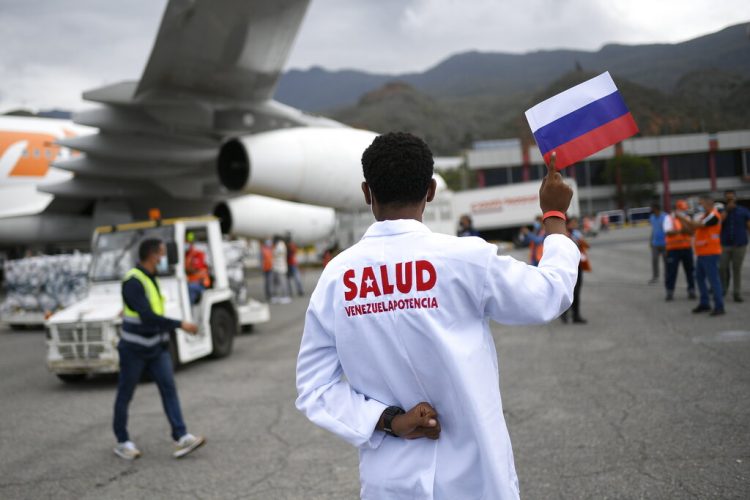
(405, 277)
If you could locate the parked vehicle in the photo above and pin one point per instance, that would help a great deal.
(82, 338)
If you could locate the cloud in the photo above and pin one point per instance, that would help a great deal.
(413, 35)
(42, 86)
(52, 50)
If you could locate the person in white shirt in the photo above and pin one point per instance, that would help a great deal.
(400, 321)
(279, 269)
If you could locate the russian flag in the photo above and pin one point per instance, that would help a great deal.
(580, 121)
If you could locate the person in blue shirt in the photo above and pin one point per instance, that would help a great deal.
(735, 224)
(658, 241)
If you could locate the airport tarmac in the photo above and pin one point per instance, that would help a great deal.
(645, 401)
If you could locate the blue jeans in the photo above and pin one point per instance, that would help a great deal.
(708, 268)
(133, 360)
(293, 276)
(195, 290)
(674, 258)
(267, 285)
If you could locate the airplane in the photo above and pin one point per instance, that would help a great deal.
(27, 150)
(197, 133)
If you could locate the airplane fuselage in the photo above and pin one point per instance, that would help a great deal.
(27, 150)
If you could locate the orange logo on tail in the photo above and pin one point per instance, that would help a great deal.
(27, 154)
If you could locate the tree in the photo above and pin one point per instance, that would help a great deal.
(458, 179)
(637, 179)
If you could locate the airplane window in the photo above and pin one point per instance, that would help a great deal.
(48, 153)
(25, 153)
(36, 153)
(114, 253)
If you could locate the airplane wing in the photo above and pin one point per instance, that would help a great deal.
(226, 50)
(210, 77)
(178, 139)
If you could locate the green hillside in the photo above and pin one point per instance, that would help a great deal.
(657, 66)
(702, 101)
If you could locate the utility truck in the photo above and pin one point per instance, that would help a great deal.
(82, 338)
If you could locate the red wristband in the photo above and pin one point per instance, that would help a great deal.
(553, 213)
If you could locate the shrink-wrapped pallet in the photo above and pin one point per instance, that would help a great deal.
(44, 283)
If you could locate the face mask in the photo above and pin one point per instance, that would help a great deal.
(163, 266)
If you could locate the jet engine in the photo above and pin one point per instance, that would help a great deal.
(319, 165)
(255, 216)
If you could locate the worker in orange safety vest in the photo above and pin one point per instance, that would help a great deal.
(266, 257)
(679, 246)
(196, 269)
(707, 227)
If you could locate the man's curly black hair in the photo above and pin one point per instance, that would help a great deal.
(398, 168)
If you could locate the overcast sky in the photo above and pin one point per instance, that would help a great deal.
(52, 50)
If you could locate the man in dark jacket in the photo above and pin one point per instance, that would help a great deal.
(735, 223)
(144, 342)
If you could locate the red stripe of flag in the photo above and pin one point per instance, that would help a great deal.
(589, 143)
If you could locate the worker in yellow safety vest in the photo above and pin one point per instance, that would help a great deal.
(144, 346)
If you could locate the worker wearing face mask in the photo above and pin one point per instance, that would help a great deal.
(144, 346)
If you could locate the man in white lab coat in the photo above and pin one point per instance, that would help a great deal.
(397, 357)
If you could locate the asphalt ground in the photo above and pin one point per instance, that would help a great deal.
(645, 401)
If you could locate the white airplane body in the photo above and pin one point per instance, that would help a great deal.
(196, 133)
(28, 149)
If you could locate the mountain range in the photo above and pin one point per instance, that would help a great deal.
(698, 85)
(701, 85)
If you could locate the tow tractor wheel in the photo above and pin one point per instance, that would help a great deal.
(72, 378)
(223, 330)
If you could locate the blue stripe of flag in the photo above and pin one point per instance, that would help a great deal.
(580, 121)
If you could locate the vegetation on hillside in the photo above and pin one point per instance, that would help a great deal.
(703, 101)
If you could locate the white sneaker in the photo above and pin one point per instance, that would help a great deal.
(188, 443)
(127, 450)
(285, 300)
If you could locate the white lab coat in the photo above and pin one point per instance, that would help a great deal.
(356, 361)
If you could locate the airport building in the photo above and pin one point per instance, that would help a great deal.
(687, 164)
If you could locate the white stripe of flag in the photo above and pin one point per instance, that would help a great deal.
(570, 100)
